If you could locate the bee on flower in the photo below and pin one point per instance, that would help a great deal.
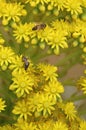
(26, 62)
(39, 26)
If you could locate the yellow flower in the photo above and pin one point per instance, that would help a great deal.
(60, 4)
(48, 71)
(41, 104)
(23, 32)
(22, 84)
(45, 34)
(13, 11)
(82, 84)
(24, 125)
(46, 105)
(17, 64)
(60, 126)
(2, 104)
(6, 57)
(46, 126)
(80, 30)
(74, 6)
(70, 111)
(33, 101)
(20, 124)
(22, 109)
(31, 126)
(62, 25)
(58, 40)
(82, 125)
(54, 89)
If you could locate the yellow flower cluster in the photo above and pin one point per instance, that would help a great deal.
(23, 85)
(71, 6)
(11, 11)
(36, 92)
(39, 94)
(56, 34)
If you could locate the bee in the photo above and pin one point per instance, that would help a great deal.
(26, 62)
(39, 26)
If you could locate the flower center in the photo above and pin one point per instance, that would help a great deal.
(24, 110)
(53, 90)
(23, 84)
(4, 56)
(46, 104)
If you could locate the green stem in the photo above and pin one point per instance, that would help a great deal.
(9, 39)
(76, 98)
(38, 55)
(69, 57)
(82, 112)
(5, 75)
(68, 61)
